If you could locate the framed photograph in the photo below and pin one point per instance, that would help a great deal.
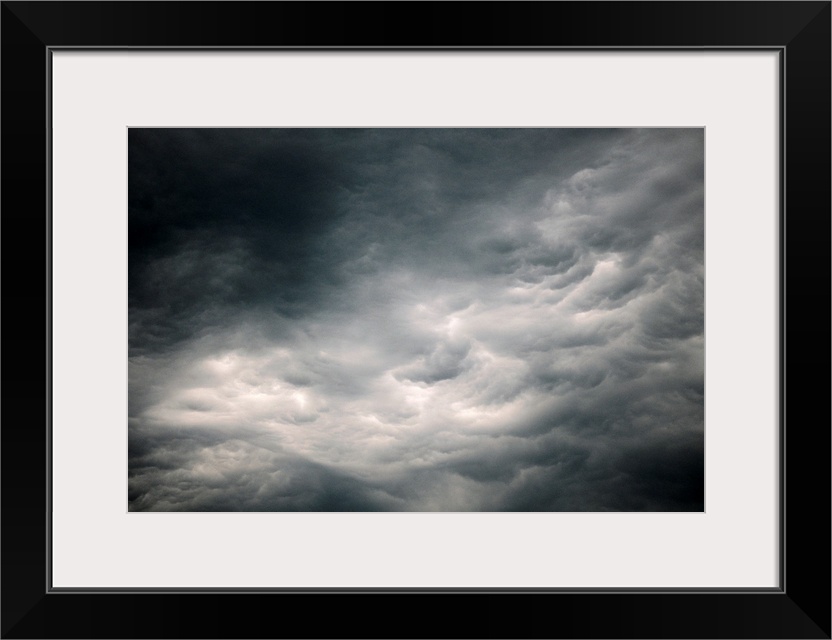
(514, 304)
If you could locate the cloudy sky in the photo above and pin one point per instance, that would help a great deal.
(416, 319)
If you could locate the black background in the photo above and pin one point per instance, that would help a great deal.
(801, 609)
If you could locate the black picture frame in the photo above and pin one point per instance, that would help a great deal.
(799, 608)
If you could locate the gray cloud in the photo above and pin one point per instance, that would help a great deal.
(416, 319)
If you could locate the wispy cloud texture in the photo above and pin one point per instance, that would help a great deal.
(416, 319)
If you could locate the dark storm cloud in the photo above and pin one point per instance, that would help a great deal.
(419, 319)
(219, 219)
